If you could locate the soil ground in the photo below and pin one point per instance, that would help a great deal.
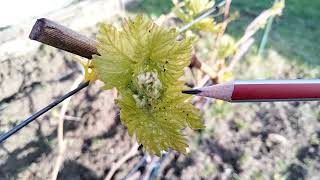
(241, 141)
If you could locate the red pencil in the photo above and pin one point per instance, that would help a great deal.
(262, 90)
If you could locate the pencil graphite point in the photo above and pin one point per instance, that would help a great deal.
(192, 91)
(218, 91)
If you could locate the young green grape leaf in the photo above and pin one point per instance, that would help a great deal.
(144, 62)
(192, 9)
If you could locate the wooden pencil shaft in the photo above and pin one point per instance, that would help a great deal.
(56, 35)
(265, 91)
(290, 81)
(276, 90)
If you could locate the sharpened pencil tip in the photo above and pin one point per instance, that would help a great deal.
(192, 91)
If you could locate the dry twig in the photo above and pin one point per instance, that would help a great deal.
(227, 9)
(247, 39)
(61, 143)
(133, 151)
(261, 20)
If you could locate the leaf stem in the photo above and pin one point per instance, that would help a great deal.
(265, 36)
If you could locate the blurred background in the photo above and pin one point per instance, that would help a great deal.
(240, 141)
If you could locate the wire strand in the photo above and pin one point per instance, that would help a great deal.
(12, 131)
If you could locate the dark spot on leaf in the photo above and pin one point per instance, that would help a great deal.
(164, 70)
(167, 62)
